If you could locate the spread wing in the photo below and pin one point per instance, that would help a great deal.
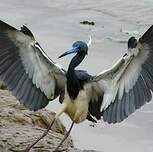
(127, 85)
(26, 69)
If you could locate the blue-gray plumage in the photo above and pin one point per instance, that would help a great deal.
(112, 95)
(74, 81)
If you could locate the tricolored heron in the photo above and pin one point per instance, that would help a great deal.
(112, 95)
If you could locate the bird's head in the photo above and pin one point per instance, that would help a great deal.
(132, 42)
(79, 47)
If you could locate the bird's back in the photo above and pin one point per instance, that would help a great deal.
(83, 78)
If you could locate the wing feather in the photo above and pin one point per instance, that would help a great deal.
(128, 84)
(26, 69)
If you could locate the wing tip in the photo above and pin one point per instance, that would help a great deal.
(5, 26)
(147, 35)
(26, 31)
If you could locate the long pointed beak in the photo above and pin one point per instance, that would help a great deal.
(70, 51)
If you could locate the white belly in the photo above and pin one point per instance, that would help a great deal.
(77, 109)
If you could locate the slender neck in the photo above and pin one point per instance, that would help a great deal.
(73, 84)
(76, 60)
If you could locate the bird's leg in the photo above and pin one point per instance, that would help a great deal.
(61, 110)
(65, 137)
(43, 135)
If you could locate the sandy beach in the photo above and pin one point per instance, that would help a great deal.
(56, 25)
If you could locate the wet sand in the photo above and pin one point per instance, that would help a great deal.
(56, 25)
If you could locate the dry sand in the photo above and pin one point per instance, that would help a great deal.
(55, 24)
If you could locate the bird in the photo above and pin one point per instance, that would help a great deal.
(112, 95)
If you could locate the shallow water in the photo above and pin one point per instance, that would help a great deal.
(55, 23)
